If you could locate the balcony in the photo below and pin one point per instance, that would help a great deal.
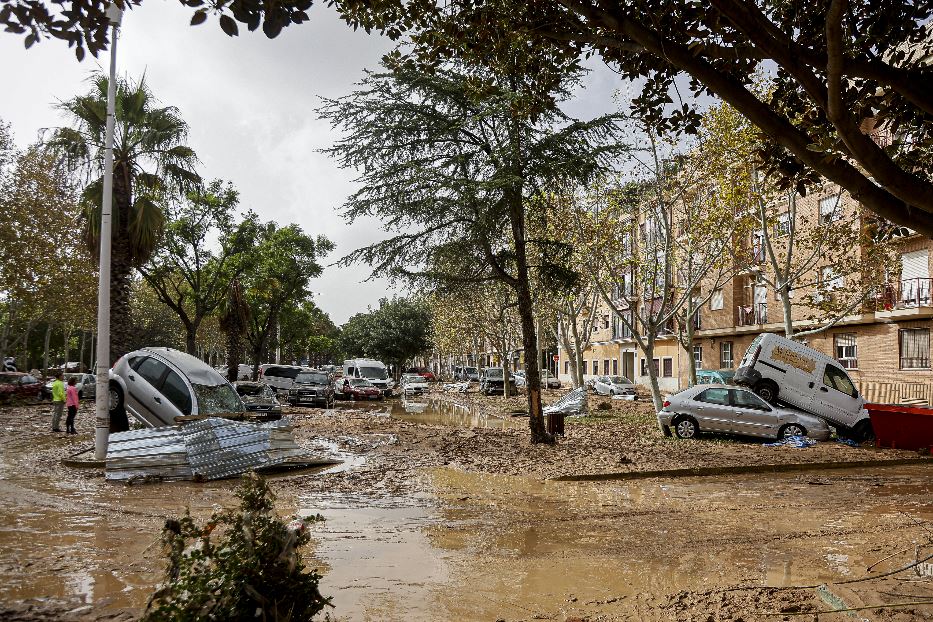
(753, 315)
(910, 297)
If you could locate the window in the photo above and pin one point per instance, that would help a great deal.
(714, 396)
(747, 399)
(715, 301)
(758, 247)
(644, 367)
(698, 356)
(615, 367)
(846, 350)
(152, 370)
(829, 209)
(566, 367)
(725, 355)
(915, 348)
(175, 389)
(782, 226)
(606, 367)
(657, 367)
(835, 378)
(668, 369)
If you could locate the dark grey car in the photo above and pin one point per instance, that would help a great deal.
(727, 409)
(312, 388)
(259, 398)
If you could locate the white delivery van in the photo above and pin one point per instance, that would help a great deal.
(280, 377)
(371, 370)
(788, 372)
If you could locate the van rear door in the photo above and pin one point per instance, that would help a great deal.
(837, 399)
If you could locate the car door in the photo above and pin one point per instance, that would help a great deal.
(176, 397)
(713, 409)
(752, 415)
(89, 386)
(142, 390)
(837, 399)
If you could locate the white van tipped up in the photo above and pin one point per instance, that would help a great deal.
(785, 371)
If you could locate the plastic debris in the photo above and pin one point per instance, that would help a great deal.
(574, 403)
(798, 442)
(847, 441)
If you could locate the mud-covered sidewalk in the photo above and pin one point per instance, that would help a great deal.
(443, 512)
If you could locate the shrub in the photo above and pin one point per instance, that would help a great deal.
(240, 565)
(604, 406)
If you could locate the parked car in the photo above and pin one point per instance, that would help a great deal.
(18, 385)
(613, 385)
(734, 410)
(413, 384)
(259, 398)
(427, 374)
(155, 385)
(85, 383)
(280, 377)
(360, 389)
(783, 371)
(519, 378)
(466, 374)
(492, 381)
(715, 376)
(312, 388)
(549, 380)
(372, 370)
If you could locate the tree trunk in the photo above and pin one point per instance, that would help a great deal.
(788, 317)
(191, 338)
(45, 349)
(81, 350)
(526, 314)
(652, 372)
(121, 269)
(67, 347)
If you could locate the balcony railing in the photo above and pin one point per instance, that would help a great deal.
(753, 315)
(906, 294)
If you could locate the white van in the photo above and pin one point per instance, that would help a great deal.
(372, 370)
(781, 370)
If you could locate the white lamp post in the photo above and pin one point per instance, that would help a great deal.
(102, 399)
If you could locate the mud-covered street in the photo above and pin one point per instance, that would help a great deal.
(448, 513)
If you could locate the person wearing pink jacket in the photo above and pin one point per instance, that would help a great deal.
(71, 403)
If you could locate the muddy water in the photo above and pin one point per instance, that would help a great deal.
(484, 547)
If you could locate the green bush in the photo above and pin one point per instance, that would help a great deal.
(240, 565)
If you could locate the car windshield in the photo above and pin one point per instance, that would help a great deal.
(412, 378)
(9, 378)
(77, 377)
(378, 373)
(470, 370)
(311, 378)
(493, 372)
(360, 382)
(727, 376)
(620, 380)
(249, 389)
(217, 399)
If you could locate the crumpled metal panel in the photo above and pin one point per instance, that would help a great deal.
(571, 404)
(211, 448)
(219, 448)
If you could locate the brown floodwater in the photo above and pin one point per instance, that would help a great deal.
(480, 547)
(425, 410)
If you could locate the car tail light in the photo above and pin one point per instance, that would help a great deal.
(666, 403)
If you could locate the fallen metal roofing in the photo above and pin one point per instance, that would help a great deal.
(211, 448)
(573, 403)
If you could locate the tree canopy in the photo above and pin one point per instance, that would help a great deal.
(842, 68)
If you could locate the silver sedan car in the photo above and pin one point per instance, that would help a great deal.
(727, 409)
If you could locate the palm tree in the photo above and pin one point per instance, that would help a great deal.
(150, 162)
(234, 317)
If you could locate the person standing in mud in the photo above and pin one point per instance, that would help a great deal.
(58, 401)
(72, 403)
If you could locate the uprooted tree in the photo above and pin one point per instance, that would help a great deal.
(449, 162)
(843, 69)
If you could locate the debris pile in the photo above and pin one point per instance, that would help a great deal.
(212, 448)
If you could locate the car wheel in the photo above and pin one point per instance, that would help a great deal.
(114, 399)
(686, 427)
(791, 429)
(768, 391)
(863, 431)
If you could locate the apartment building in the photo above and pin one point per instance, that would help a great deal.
(884, 342)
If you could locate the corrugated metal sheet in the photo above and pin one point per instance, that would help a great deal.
(573, 403)
(212, 448)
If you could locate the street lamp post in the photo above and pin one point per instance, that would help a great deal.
(102, 399)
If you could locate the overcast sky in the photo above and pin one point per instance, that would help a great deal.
(250, 103)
